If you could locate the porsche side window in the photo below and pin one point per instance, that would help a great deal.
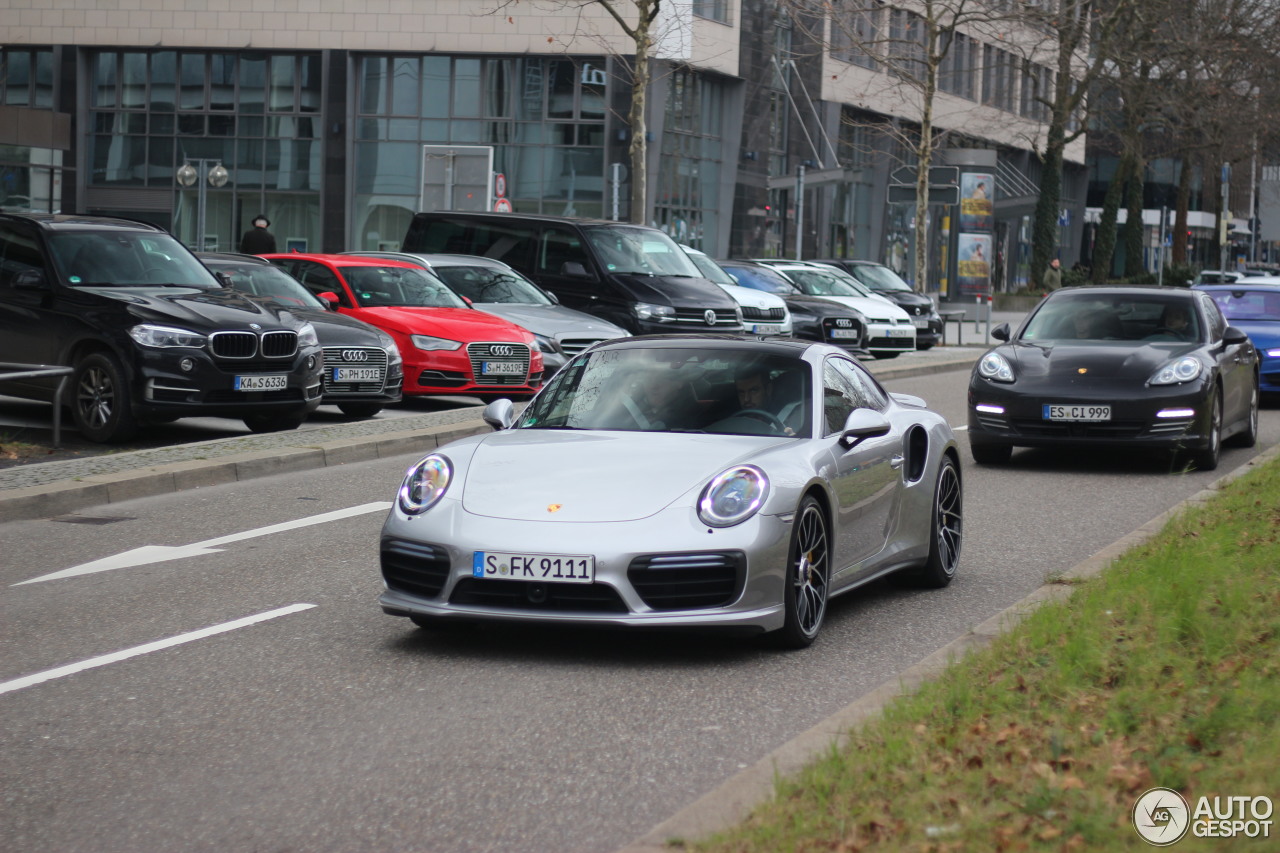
(869, 394)
(839, 397)
(1217, 323)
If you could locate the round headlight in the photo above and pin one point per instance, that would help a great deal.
(1183, 370)
(425, 483)
(733, 496)
(995, 367)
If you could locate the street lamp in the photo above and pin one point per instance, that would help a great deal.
(215, 176)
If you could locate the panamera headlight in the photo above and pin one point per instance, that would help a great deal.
(1176, 372)
(733, 496)
(307, 336)
(425, 483)
(995, 367)
(149, 335)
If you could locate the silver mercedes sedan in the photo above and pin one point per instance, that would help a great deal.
(682, 482)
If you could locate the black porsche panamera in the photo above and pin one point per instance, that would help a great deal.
(1156, 368)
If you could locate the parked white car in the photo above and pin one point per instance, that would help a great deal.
(762, 313)
(890, 330)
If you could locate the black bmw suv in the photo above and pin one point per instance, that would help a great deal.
(150, 333)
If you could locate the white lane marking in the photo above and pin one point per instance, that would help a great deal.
(159, 553)
(125, 654)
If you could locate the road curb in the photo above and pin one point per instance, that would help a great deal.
(731, 803)
(67, 496)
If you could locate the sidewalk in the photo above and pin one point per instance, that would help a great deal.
(54, 488)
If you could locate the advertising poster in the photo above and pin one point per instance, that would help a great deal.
(973, 264)
(977, 201)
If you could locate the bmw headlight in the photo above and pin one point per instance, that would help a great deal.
(307, 336)
(425, 483)
(995, 367)
(428, 343)
(1183, 370)
(733, 496)
(166, 336)
(661, 313)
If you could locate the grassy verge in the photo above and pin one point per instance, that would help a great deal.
(1164, 670)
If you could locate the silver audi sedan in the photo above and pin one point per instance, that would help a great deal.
(683, 482)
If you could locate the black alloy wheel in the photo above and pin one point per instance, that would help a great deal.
(100, 404)
(946, 530)
(1248, 437)
(1207, 459)
(807, 579)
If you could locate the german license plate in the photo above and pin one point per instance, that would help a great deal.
(557, 568)
(262, 383)
(357, 374)
(766, 329)
(921, 324)
(502, 368)
(1065, 412)
(900, 333)
(844, 333)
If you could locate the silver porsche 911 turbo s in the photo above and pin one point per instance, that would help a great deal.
(680, 482)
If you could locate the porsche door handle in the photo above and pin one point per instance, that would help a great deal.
(896, 462)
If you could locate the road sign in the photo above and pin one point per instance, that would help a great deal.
(939, 175)
(500, 185)
(502, 205)
(906, 194)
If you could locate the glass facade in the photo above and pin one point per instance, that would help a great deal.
(256, 114)
(544, 118)
(688, 189)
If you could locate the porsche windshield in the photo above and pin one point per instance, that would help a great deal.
(727, 392)
(126, 259)
(1091, 317)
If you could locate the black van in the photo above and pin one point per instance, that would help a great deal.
(630, 275)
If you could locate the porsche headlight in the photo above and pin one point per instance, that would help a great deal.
(425, 483)
(149, 335)
(995, 367)
(1183, 370)
(733, 496)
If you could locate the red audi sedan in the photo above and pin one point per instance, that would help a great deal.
(447, 346)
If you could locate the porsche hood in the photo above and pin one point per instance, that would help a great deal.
(556, 475)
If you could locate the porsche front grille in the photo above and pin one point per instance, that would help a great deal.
(688, 581)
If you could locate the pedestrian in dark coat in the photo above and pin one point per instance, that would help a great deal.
(258, 240)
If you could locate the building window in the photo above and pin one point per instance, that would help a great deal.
(855, 30)
(957, 70)
(713, 10)
(688, 188)
(998, 83)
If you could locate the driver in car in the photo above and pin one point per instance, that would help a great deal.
(757, 393)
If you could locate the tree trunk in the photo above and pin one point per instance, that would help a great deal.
(1104, 247)
(1180, 215)
(639, 148)
(924, 158)
(1044, 233)
(1134, 228)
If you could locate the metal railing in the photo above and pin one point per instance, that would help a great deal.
(12, 370)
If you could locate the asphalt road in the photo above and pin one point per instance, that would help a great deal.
(336, 728)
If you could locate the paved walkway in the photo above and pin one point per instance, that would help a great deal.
(53, 488)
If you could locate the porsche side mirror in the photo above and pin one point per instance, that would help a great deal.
(329, 299)
(574, 269)
(500, 414)
(1234, 336)
(1001, 332)
(862, 423)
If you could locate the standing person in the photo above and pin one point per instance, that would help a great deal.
(1053, 275)
(258, 240)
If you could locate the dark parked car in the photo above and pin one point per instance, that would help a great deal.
(1255, 310)
(363, 370)
(887, 283)
(812, 317)
(151, 334)
(1141, 367)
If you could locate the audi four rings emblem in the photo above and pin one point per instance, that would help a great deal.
(710, 317)
(502, 349)
(843, 322)
(355, 355)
